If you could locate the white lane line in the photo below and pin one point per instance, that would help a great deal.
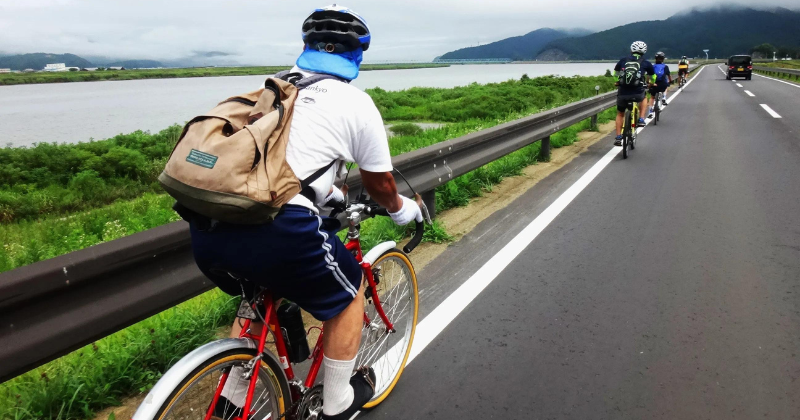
(749, 93)
(739, 84)
(770, 111)
(448, 310)
(671, 97)
(433, 324)
(777, 80)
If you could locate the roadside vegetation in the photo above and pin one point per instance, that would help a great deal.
(793, 65)
(130, 361)
(93, 76)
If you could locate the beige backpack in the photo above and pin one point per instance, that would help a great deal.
(230, 163)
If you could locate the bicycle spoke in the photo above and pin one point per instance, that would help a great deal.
(195, 400)
(382, 350)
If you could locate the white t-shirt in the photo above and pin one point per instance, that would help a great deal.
(334, 121)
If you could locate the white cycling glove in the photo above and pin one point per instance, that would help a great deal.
(410, 211)
(335, 195)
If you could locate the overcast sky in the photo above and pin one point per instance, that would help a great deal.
(268, 32)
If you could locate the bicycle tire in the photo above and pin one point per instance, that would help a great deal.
(635, 123)
(390, 365)
(626, 133)
(276, 384)
(658, 109)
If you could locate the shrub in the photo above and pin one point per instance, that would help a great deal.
(405, 129)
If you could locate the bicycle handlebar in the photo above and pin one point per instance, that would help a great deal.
(416, 239)
(419, 229)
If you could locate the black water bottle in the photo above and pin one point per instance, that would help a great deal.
(294, 332)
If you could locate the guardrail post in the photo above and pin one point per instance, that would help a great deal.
(594, 122)
(429, 197)
(544, 152)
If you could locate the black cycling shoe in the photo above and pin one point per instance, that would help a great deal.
(363, 383)
(618, 141)
(225, 409)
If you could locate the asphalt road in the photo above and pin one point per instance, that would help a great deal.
(669, 288)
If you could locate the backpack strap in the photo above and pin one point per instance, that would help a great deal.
(302, 82)
(305, 185)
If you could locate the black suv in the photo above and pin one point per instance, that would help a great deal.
(740, 66)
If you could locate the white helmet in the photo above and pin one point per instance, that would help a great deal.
(639, 47)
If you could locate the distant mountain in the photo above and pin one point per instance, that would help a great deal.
(525, 47)
(136, 64)
(37, 61)
(722, 30)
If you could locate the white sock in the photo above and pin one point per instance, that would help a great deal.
(235, 389)
(337, 394)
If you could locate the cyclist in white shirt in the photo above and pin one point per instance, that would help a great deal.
(298, 256)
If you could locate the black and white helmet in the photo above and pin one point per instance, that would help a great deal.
(639, 47)
(660, 54)
(336, 29)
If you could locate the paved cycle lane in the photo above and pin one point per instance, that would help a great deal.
(668, 288)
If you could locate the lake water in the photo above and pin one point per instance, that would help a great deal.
(73, 112)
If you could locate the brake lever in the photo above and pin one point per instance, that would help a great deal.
(426, 215)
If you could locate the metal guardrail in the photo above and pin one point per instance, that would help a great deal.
(778, 70)
(52, 307)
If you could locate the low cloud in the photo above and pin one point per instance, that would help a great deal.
(210, 54)
(246, 32)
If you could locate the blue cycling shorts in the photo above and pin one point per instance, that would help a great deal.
(298, 256)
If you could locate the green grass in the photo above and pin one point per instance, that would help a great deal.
(64, 178)
(34, 184)
(793, 64)
(787, 77)
(127, 362)
(490, 101)
(405, 129)
(35, 240)
(89, 76)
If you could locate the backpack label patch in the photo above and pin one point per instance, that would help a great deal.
(631, 75)
(203, 159)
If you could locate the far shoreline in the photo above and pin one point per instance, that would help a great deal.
(14, 79)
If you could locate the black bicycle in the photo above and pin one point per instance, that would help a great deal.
(629, 129)
(657, 107)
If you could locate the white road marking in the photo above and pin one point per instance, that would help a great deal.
(749, 93)
(669, 100)
(450, 308)
(739, 84)
(436, 321)
(433, 324)
(777, 80)
(770, 111)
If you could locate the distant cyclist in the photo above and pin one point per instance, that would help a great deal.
(683, 68)
(661, 81)
(632, 71)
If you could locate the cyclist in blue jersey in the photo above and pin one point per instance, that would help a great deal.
(661, 81)
(633, 72)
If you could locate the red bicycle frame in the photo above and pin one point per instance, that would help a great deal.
(272, 325)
